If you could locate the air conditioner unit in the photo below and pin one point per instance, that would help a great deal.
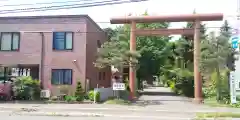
(45, 94)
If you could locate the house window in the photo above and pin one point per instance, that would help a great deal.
(62, 40)
(10, 41)
(61, 77)
(99, 76)
(103, 75)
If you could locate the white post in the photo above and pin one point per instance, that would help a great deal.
(233, 88)
(95, 93)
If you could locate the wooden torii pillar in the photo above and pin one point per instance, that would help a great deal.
(196, 18)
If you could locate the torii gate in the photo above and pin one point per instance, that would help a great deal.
(196, 18)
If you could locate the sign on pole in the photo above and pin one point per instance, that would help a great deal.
(118, 86)
(233, 87)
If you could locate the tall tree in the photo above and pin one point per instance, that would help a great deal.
(225, 31)
(181, 72)
(214, 55)
(184, 48)
(116, 53)
(110, 32)
(153, 50)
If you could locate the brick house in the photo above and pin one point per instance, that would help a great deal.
(58, 50)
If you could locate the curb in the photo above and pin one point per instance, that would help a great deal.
(53, 114)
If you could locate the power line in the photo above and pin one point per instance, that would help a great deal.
(93, 4)
(56, 6)
(43, 3)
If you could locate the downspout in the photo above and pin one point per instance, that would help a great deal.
(87, 81)
(42, 61)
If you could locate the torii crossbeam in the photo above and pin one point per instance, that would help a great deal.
(196, 18)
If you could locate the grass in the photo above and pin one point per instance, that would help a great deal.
(118, 102)
(201, 116)
(213, 103)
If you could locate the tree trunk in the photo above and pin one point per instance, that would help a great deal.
(218, 84)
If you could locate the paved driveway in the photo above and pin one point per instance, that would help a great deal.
(164, 99)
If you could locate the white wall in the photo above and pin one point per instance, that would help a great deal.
(105, 93)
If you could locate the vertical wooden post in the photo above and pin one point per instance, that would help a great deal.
(197, 76)
(132, 72)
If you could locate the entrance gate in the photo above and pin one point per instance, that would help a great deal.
(196, 18)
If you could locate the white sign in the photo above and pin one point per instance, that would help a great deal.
(233, 87)
(118, 86)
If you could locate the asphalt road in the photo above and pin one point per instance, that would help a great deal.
(156, 106)
(18, 117)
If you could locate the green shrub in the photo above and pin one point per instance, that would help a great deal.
(168, 83)
(172, 87)
(126, 81)
(225, 91)
(182, 82)
(91, 95)
(186, 88)
(86, 97)
(70, 98)
(79, 98)
(163, 79)
(26, 88)
(79, 92)
(210, 91)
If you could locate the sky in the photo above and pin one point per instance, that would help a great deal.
(154, 7)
